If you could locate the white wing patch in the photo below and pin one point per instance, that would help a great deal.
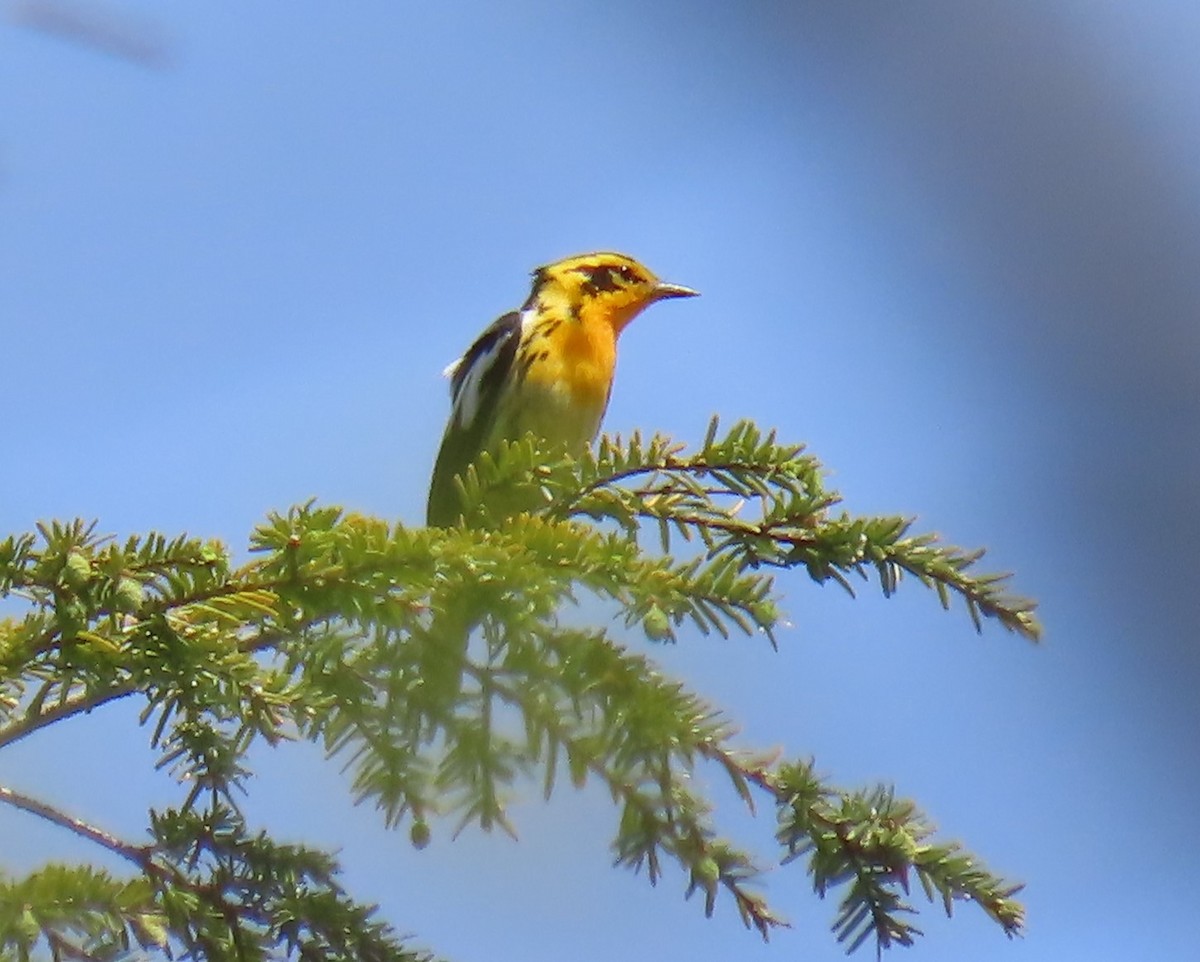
(465, 387)
(474, 375)
(529, 317)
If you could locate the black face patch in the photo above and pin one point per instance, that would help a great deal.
(606, 278)
(600, 279)
(595, 279)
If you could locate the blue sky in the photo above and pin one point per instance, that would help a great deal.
(952, 249)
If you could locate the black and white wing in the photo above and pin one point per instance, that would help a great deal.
(477, 381)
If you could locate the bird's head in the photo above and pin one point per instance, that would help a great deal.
(606, 286)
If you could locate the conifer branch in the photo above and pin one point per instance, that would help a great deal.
(881, 841)
(791, 528)
(138, 855)
(79, 910)
(68, 708)
(435, 663)
(658, 812)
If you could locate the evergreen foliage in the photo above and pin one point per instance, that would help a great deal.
(434, 663)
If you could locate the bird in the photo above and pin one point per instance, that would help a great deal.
(546, 369)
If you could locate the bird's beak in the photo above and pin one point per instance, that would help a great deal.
(662, 291)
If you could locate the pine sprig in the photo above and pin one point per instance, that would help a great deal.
(436, 664)
(874, 842)
(760, 503)
(206, 887)
(230, 894)
(640, 735)
(78, 912)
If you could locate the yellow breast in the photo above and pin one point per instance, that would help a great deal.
(565, 369)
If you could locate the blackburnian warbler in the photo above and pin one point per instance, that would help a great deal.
(546, 369)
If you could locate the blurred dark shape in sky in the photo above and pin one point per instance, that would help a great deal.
(100, 27)
(1062, 157)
